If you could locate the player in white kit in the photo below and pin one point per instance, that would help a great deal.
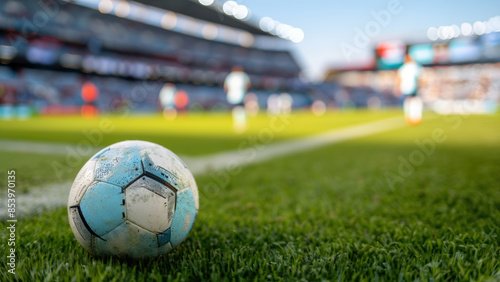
(236, 86)
(167, 97)
(407, 83)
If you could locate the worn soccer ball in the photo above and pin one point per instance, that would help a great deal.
(133, 199)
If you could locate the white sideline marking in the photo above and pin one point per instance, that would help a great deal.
(39, 147)
(221, 160)
(56, 194)
(38, 199)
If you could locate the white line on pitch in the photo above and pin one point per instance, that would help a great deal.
(42, 147)
(218, 161)
(56, 194)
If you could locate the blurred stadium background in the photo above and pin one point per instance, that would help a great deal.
(128, 51)
(340, 189)
(124, 52)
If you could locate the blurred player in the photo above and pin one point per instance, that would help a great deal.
(181, 101)
(7, 100)
(251, 104)
(407, 84)
(89, 93)
(166, 97)
(286, 102)
(236, 86)
(273, 105)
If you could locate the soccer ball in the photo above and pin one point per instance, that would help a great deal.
(133, 199)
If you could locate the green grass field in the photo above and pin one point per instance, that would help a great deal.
(195, 134)
(192, 135)
(339, 212)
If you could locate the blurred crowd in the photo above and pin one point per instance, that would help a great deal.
(57, 92)
(50, 50)
(48, 89)
(375, 89)
(104, 43)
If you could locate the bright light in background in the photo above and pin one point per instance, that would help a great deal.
(274, 30)
(442, 32)
(494, 23)
(209, 31)
(206, 2)
(466, 29)
(176, 22)
(245, 39)
(297, 35)
(432, 33)
(283, 30)
(240, 12)
(456, 30)
(479, 28)
(169, 20)
(229, 7)
(450, 33)
(266, 24)
(122, 9)
(105, 6)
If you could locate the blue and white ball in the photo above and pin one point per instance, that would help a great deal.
(133, 199)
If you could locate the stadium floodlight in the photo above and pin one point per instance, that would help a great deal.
(240, 12)
(209, 31)
(284, 30)
(489, 26)
(246, 39)
(206, 2)
(432, 33)
(456, 30)
(466, 29)
(105, 6)
(449, 32)
(442, 33)
(122, 9)
(494, 22)
(266, 24)
(169, 20)
(479, 28)
(274, 30)
(297, 35)
(229, 7)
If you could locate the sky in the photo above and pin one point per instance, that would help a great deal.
(332, 27)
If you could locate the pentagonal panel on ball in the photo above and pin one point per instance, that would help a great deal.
(148, 208)
(152, 185)
(119, 166)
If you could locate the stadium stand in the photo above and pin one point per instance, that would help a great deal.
(48, 53)
(456, 71)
